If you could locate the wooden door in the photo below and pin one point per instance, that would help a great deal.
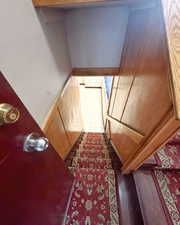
(140, 98)
(35, 186)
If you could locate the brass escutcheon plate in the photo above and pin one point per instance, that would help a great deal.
(8, 114)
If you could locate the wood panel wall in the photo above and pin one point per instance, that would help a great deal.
(141, 96)
(64, 123)
(171, 9)
(69, 107)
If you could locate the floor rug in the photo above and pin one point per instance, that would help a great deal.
(168, 186)
(94, 195)
(168, 157)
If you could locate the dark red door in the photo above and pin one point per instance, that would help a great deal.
(34, 186)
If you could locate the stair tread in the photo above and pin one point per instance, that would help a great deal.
(129, 205)
(87, 161)
(151, 206)
(151, 162)
(94, 189)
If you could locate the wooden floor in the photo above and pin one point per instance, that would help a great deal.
(128, 202)
(151, 206)
(91, 105)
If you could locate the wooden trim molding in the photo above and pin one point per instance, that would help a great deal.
(96, 71)
(38, 3)
(63, 2)
(151, 146)
(136, 137)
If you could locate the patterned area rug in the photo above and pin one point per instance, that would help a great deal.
(168, 157)
(94, 196)
(168, 186)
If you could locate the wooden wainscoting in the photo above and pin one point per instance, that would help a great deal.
(141, 98)
(64, 125)
(124, 138)
(171, 9)
(69, 108)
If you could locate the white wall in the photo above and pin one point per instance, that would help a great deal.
(96, 35)
(33, 56)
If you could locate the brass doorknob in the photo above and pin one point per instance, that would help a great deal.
(8, 114)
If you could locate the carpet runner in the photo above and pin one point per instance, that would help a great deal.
(168, 187)
(168, 157)
(94, 195)
(166, 177)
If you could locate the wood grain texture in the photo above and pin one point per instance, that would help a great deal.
(63, 2)
(57, 135)
(141, 97)
(53, 108)
(135, 136)
(125, 139)
(151, 206)
(63, 125)
(129, 60)
(39, 3)
(171, 9)
(95, 71)
(129, 206)
(113, 94)
(150, 87)
(151, 146)
(123, 90)
(69, 107)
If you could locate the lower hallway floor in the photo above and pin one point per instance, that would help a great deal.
(101, 195)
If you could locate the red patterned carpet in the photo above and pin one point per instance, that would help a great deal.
(94, 196)
(168, 187)
(167, 178)
(168, 157)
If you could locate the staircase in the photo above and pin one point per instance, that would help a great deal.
(100, 195)
(158, 187)
(94, 196)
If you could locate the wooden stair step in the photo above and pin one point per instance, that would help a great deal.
(150, 163)
(128, 201)
(150, 204)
